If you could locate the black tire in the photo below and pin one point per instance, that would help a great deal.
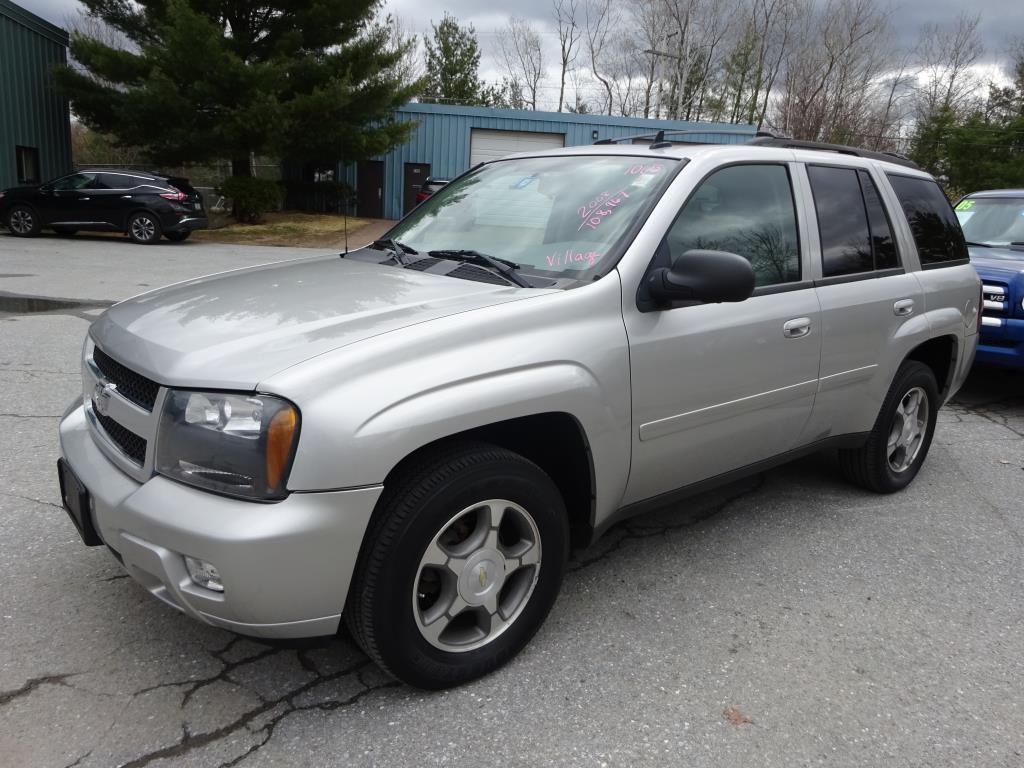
(22, 221)
(414, 509)
(144, 228)
(177, 237)
(65, 231)
(869, 466)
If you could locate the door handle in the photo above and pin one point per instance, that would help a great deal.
(794, 329)
(903, 307)
(126, 197)
(84, 198)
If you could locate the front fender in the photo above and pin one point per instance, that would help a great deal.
(368, 406)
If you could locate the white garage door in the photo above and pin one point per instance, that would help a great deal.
(487, 145)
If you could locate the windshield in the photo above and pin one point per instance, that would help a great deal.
(996, 221)
(546, 214)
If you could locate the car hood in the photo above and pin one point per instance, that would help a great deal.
(235, 329)
(1005, 263)
(20, 191)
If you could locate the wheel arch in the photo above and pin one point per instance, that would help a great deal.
(940, 354)
(555, 441)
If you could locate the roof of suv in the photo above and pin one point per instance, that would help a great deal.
(997, 193)
(685, 150)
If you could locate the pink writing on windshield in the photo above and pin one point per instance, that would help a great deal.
(593, 212)
(637, 170)
(571, 257)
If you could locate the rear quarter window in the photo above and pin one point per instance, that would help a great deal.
(936, 231)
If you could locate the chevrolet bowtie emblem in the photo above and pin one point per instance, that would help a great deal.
(101, 396)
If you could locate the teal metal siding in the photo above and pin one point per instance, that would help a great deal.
(442, 136)
(32, 114)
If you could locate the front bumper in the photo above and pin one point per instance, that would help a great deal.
(286, 567)
(1002, 344)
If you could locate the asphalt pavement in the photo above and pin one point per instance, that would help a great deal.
(787, 620)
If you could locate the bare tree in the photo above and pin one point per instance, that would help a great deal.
(410, 66)
(602, 19)
(947, 55)
(523, 57)
(569, 34)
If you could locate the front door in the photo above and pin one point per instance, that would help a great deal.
(717, 387)
(64, 200)
(415, 175)
(370, 189)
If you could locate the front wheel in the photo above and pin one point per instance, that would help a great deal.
(898, 444)
(22, 221)
(144, 228)
(461, 566)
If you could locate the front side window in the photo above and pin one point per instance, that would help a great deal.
(935, 228)
(547, 214)
(992, 221)
(747, 210)
(27, 161)
(74, 181)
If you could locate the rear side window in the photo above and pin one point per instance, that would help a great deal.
(744, 209)
(842, 221)
(935, 228)
(882, 242)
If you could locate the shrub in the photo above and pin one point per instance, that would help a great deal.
(251, 197)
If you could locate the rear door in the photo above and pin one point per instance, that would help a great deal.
(868, 298)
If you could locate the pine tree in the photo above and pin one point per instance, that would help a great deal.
(453, 61)
(200, 80)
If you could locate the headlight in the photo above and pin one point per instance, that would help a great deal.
(239, 445)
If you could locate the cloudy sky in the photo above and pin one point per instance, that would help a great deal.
(1002, 21)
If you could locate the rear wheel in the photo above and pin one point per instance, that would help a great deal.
(22, 221)
(65, 230)
(461, 566)
(144, 228)
(898, 444)
(177, 237)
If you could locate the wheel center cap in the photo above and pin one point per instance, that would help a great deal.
(483, 576)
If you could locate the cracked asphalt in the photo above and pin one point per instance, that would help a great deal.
(786, 620)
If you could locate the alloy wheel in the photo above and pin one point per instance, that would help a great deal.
(476, 575)
(21, 221)
(143, 228)
(909, 425)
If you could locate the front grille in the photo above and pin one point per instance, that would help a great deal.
(469, 272)
(995, 299)
(131, 385)
(133, 446)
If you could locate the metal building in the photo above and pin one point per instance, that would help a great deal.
(448, 140)
(35, 128)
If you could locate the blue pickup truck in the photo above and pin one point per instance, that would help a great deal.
(993, 223)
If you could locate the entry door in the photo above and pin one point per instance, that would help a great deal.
(415, 175)
(370, 193)
(717, 387)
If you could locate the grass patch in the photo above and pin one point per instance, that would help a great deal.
(288, 228)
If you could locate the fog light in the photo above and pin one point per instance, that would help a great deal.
(204, 574)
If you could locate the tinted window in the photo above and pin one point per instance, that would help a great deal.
(842, 221)
(882, 242)
(932, 221)
(116, 180)
(744, 209)
(74, 181)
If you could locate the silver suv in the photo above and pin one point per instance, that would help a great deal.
(412, 436)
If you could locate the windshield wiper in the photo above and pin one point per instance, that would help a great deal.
(978, 245)
(398, 249)
(503, 267)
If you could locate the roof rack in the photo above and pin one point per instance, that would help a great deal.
(658, 139)
(767, 139)
(842, 149)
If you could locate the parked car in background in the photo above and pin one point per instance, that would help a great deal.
(993, 223)
(430, 187)
(414, 435)
(143, 206)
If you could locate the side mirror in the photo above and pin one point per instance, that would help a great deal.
(705, 276)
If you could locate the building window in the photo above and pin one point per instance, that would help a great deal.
(27, 159)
